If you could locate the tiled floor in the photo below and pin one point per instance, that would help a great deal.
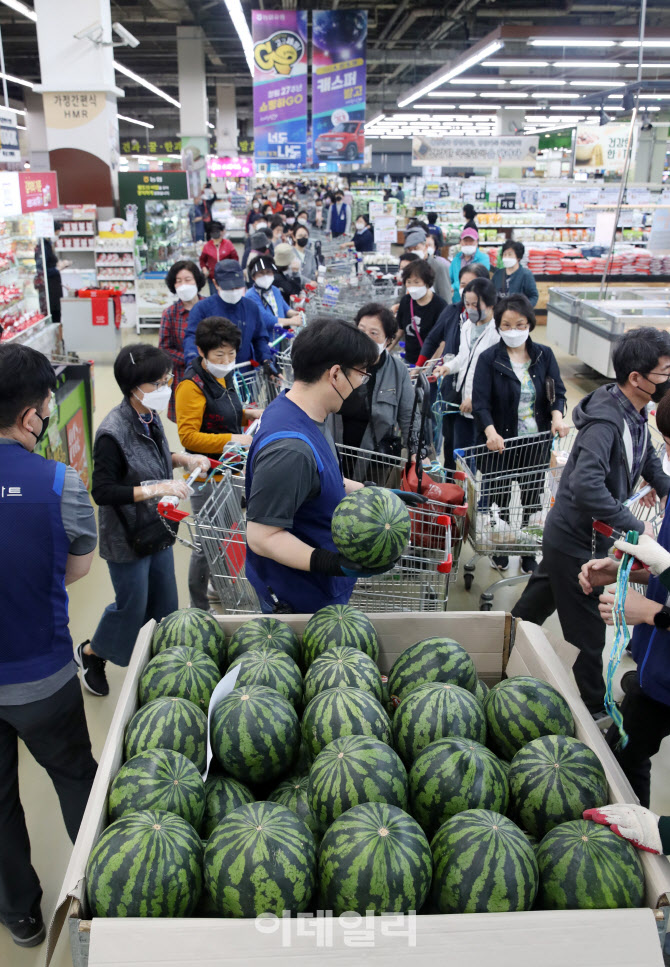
(51, 847)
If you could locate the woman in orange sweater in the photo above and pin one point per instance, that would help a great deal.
(209, 417)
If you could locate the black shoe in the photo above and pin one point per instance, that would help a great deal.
(93, 675)
(501, 561)
(29, 932)
(528, 564)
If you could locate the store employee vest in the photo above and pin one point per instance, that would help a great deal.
(35, 640)
(338, 220)
(223, 407)
(302, 591)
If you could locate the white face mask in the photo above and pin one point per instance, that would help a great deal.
(232, 296)
(430, 250)
(468, 249)
(514, 337)
(302, 221)
(264, 281)
(666, 464)
(421, 252)
(260, 226)
(381, 346)
(256, 205)
(360, 226)
(157, 399)
(290, 221)
(416, 291)
(509, 261)
(187, 292)
(219, 370)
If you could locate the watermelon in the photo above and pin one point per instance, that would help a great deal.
(222, 795)
(260, 859)
(255, 734)
(431, 660)
(266, 665)
(482, 863)
(338, 624)
(145, 864)
(181, 671)
(264, 631)
(351, 770)
(158, 779)
(303, 761)
(452, 775)
(292, 793)
(481, 691)
(194, 628)
(521, 709)
(432, 712)
(371, 527)
(169, 723)
(341, 665)
(554, 779)
(374, 857)
(585, 866)
(343, 711)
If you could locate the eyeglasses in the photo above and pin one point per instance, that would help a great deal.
(654, 373)
(361, 372)
(163, 382)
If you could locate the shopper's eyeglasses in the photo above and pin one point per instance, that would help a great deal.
(361, 372)
(654, 373)
(163, 382)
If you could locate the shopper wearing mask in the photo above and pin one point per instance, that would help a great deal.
(287, 276)
(415, 241)
(338, 221)
(277, 230)
(419, 308)
(433, 256)
(303, 218)
(257, 244)
(435, 230)
(132, 470)
(318, 215)
(230, 303)
(209, 418)
(184, 279)
(470, 252)
(612, 451)
(49, 537)
(517, 391)
(364, 238)
(478, 334)
(289, 219)
(216, 250)
(274, 204)
(208, 199)
(305, 254)
(263, 293)
(254, 215)
(513, 278)
(469, 214)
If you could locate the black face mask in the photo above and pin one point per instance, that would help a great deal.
(302, 242)
(659, 392)
(45, 424)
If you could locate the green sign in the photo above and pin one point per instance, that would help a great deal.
(138, 187)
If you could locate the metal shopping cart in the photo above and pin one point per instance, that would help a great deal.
(255, 387)
(509, 495)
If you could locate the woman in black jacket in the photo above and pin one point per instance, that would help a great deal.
(518, 391)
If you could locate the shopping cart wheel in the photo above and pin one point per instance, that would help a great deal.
(627, 681)
(468, 575)
(486, 606)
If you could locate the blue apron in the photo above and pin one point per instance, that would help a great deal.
(650, 645)
(338, 222)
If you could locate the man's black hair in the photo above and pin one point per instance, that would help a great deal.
(327, 342)
(57, 226)
(140, 363)
(478, 269)
(469, 212)
(216, 226)
(409, 257)
(638, 351)
(385, 316)
(174, 270)
(276, 221)
(517, 247)
(26, 377)
(214, 331)
(484, 289)
(516, 302)
(422, 270)
(663, 416)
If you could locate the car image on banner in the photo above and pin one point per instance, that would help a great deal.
(338, 84)
(345, 140)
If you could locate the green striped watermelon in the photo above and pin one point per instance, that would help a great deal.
(260, 859)
(351, 770)
(341, 665)
(222, 795)
(183, 672)
(482, 863)
(521, 709)
(554, 779)
(431, 660)
(255, 734)
(195, 629)
(374, 857)
(343, 711)
(338, 624)
(481, 691)
(452, 775)
(264, 631)
(169, 723)
(145, 864)
(433, 712)
(371, 527)
(292, 793)
(303, 761)
(158, 779)
(585, 866)
(266, 665)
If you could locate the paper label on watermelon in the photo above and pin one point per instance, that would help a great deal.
(225, 687)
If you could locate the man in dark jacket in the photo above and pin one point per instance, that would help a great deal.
(611, 453)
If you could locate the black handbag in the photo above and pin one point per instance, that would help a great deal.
(157, 535)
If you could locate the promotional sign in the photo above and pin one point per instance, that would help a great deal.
(141, 186)
(474, 152)
(280, 86)
(39, 191)
(10, 196)
(230, 167)
(598, 148)
(339, 41)
(9, 138)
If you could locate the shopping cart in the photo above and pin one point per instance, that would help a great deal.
(509, 495)
(255, 387)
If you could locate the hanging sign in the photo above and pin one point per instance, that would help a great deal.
(339, 44)
(9, 138)
(598, 148)
(475, 152)
(39, 191)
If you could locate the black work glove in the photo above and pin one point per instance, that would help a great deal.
(336, 565)
(270, 368)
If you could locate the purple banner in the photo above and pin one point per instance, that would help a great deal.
(280, 86)
(339, 41)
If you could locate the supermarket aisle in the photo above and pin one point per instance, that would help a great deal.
(51, 847)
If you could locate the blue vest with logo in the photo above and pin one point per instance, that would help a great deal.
(650, 645)
(35, 639)
(338, 222)
(303, 591)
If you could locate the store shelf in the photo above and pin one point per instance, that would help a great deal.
(11, 305)
(24, 332)
(76, 234)
(9, 271)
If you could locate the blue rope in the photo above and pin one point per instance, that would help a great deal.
(621, 637)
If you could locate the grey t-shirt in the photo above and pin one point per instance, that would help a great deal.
(78, 519)
(271, 501)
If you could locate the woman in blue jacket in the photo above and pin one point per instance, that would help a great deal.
(513, 278)
(517, 391)
(273, 308)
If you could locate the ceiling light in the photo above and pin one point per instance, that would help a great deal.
(21, 8)
(469, 107)
(565, 107)
(646, 43)
(569, 42)
(234, 8)
(142, 124)
(445, 107)
(452, 72)
(480, 80)
(17, 80)
(649, 67)
(544, 81)
(455, 94)
(550, 95)
(596, 84)
(515, 63)
(144, 83)
(511, 94)
(655, 97)
(599, 64)
(380, 117)
(210, 125)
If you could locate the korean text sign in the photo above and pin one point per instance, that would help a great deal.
(339, 44)
(473, 152)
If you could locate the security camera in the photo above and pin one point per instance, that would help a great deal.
(128, 40)
(92, 33)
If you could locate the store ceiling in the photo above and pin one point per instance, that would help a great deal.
(407, 42)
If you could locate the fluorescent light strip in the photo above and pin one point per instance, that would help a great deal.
(234, 8)
(142, 124)
(512, 94)
(597, 64)
(542, 81)
(21, 8)
(450, 94)
(444, 107)
(453, 72)
(550, 95)
(144, 83)
(17, 80)
(482, 80)
(596, 84)
(664, 44)
(649, 67)
(515, 63)
(569, 42)
(380, 117)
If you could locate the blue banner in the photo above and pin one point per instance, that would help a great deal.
(339, 43)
